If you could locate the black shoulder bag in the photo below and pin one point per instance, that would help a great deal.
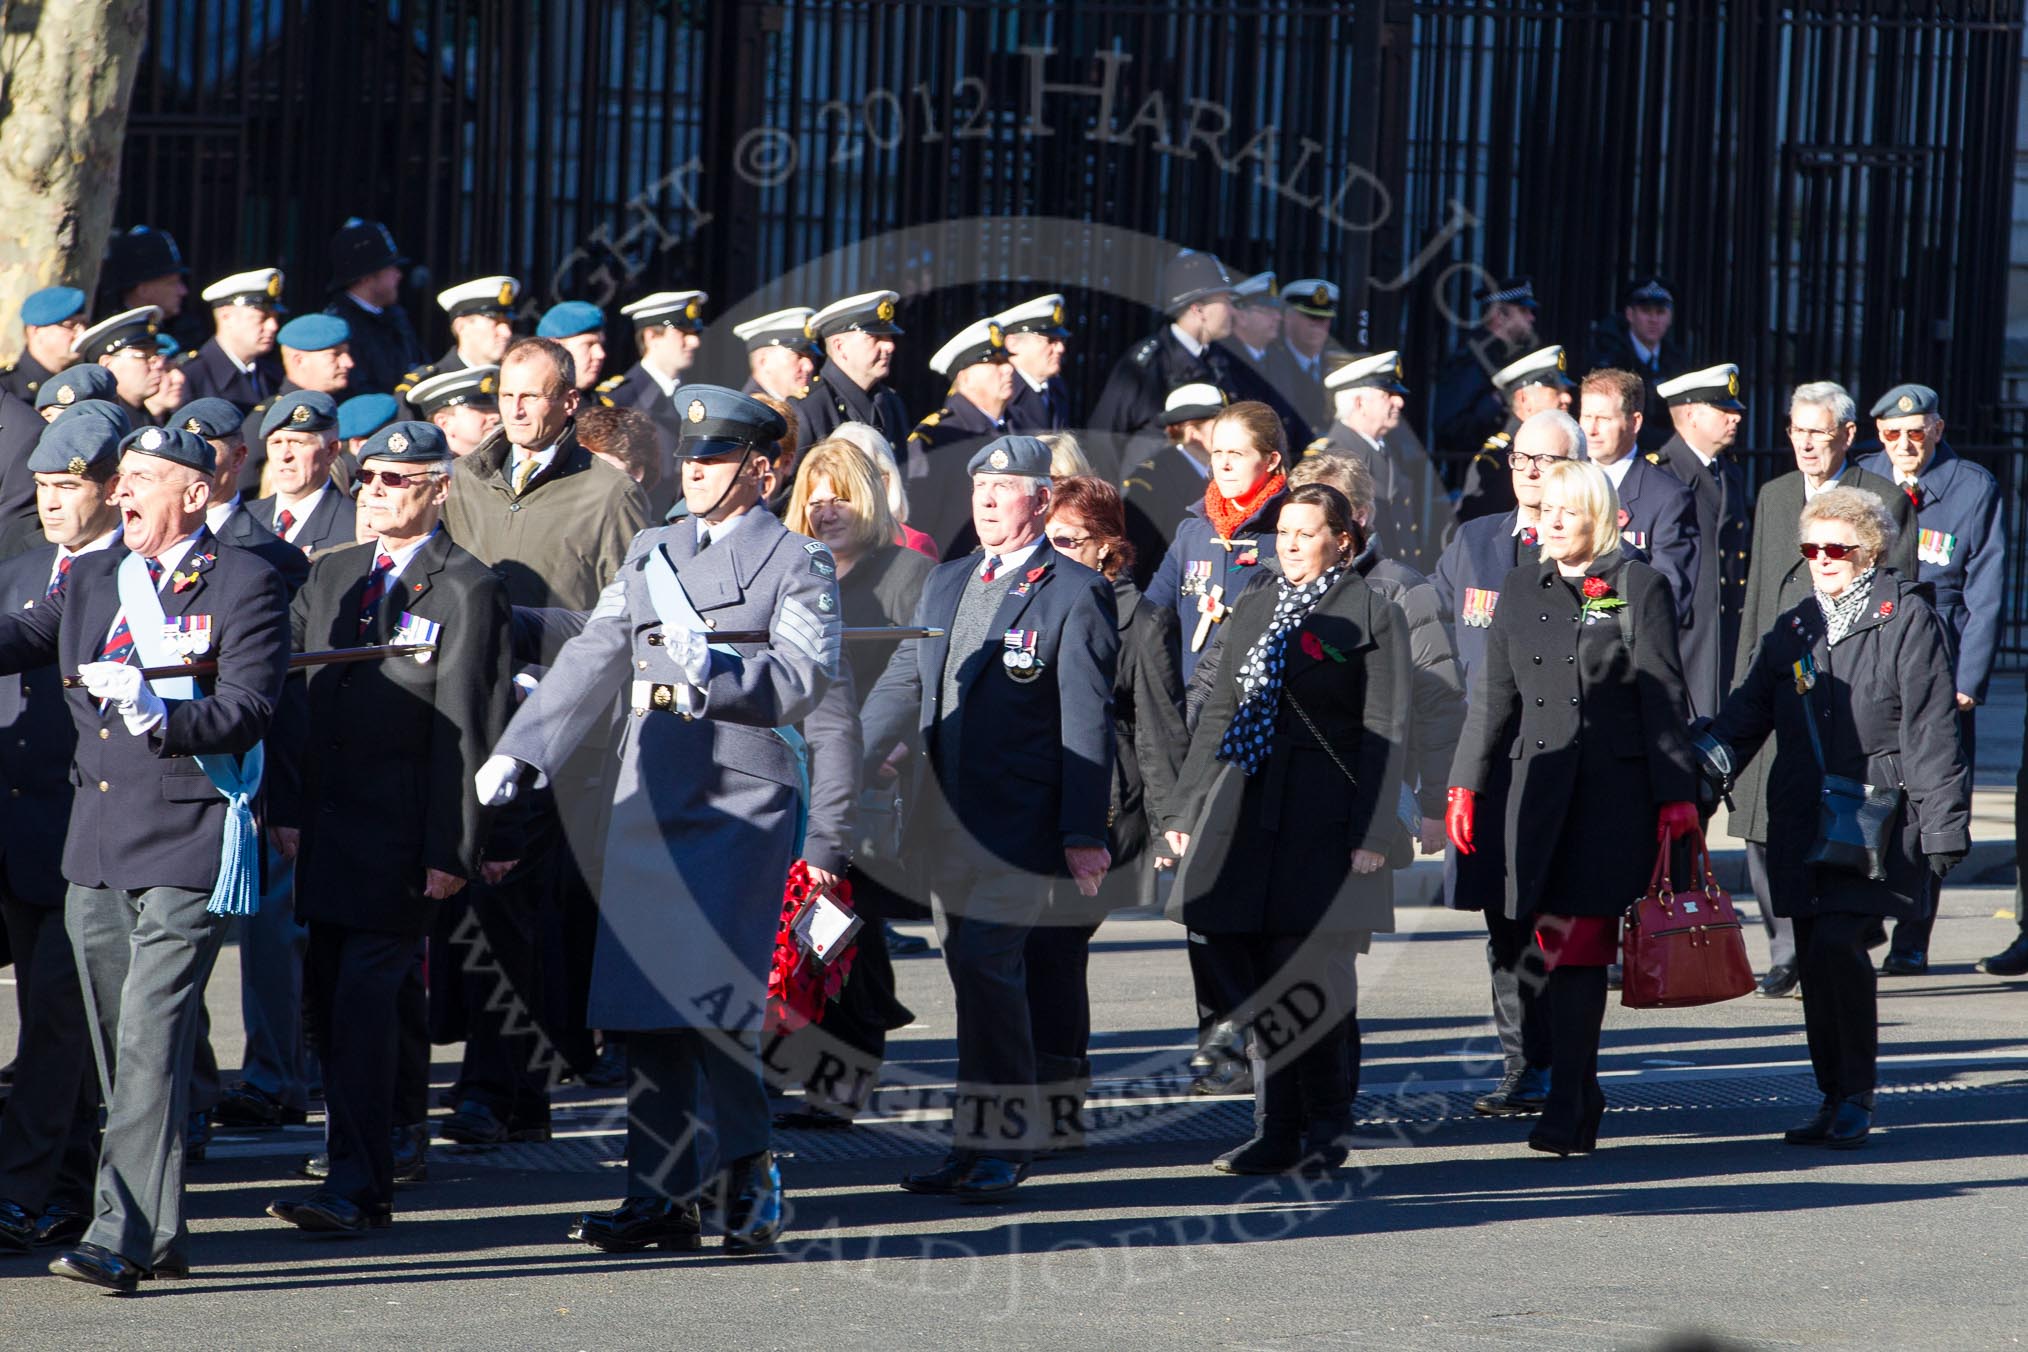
(1853, 819)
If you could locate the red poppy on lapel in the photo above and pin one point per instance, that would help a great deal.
(1886, 609)
(1597, 587)
(1313, 646)
(1035, 574)
(1625, 517)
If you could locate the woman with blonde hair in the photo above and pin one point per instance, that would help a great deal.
(1582, 690)
(869, 439)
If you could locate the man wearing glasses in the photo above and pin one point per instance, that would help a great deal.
(1822, 423)
(1467, 581)
(1961, 552)
(125, 345)
(388, 753)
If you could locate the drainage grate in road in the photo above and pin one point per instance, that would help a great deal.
(597, 1136)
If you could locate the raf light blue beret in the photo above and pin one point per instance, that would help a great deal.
(570, 319)
(314, 333)
(52, 305)
(364, 414)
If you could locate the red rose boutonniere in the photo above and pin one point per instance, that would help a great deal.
(1598, 599)
(1317, 650)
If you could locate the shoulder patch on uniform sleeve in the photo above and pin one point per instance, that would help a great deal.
(816, 635)
(820, 559)
(612, 602)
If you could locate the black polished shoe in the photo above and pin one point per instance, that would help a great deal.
(2009, 961)
(60, 1226)
(1279, 1152)
(610, 1070)
(476, 1124)
(1852, 1123)
(1520, 1093)
(940, 1181)
(753, 1209)
(1818, 1129)
(328, 1213)
(901, 945)
(412, 1153)
(1905, 964)
(640, 1223)
(1781, 981)
(99, 1266)
(248, 1107)
(988, 1179)
(196, 1137)
(17, 1228)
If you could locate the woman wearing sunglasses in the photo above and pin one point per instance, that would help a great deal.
(1853, 681)
(1581, 690)
(1087, 522)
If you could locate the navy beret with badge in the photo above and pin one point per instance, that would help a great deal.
(52, 305)
(717, 420)
(1011, 454)
(210, 417)
(75, 384)
(300, 411)
(78, 445)
(110, 412)
(1906, 401)
(407, 443)
(174, 445)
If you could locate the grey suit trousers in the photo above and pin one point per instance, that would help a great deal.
(143, 959)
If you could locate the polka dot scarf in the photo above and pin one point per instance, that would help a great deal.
(1245, 743)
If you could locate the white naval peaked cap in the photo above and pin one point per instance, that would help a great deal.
(1543, 366)
(261, 286)
(680, 308)
(482, 295)
(979, 341)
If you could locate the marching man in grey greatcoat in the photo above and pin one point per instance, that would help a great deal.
(706, 818)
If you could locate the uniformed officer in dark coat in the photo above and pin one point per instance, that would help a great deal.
(1467, 409)
(1821, 429)
(366, 274)
(1705, 409)
(481, 312)
(316, 355)
(1529, 384)
(704, 853)
(50, 319)
(390, 752)
(238, 362)
(1658, 512)
(1005, 723)
(943, 443)
(125, 345)
(668, 327)
(1854, 679)
(464, 405)
(1638, 340)
(1367, 396)
(1036, 338)
(857, 335)
(161, 848)
(307, 509)
(49, 1132)
(781, 356)
(1196, 295)
(219, 423)
(1961, 553)
(1469, 580)
(1306, 352)
(1162, 488)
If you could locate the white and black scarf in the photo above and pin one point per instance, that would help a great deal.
(1841, 612)
(1245, 743)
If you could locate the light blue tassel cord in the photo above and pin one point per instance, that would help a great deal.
(238, 891)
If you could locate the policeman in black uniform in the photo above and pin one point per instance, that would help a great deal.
(144, 267)
(366, 274)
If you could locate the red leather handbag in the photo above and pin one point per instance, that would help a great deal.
(1683, 948)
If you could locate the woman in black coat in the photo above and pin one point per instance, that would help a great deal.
(838, 499)
(1582, 689)
(1087, 522)
(1876, 663)
(1286, 822)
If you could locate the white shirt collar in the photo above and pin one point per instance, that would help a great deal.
(300, 512)
(1702, 459)
(364, 304)
(1203, 467)
(173, 555)
(1618, 470)
(667, 384)
(1033, 383)
(400, 556)
(1009, 561)
(1190, 345)
(216, 514)
(1646, 354)
(715, 534)
(65, 552)
(1253, 353)
(542, 458)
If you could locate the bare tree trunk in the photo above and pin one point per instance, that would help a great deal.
(66, 74)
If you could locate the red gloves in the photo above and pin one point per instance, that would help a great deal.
(1461, 804)
(1677, 819)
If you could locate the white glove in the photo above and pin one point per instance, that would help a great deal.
(498, 780)
(691, 651)
(120, 684)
